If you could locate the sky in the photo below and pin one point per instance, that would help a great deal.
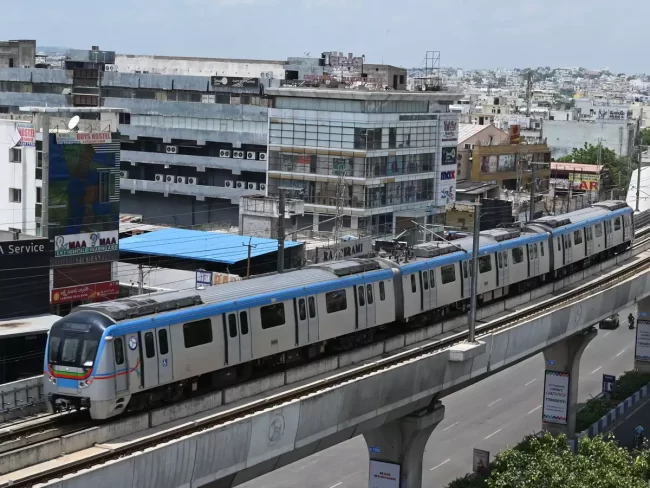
(595, 34)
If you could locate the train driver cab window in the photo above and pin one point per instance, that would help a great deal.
(272, 315)
(312, 307)
(149, 348)
(577, 236)
(413, 285)
(517, 255)
(484, 264)
(382, 291)
(197, 333)
(599, 230)
(118, 346)
(617, 223)
(335, 301)
(448, 273)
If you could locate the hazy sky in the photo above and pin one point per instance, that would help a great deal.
(469, 33)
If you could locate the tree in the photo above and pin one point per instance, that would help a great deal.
(644, 137)
(616, 169)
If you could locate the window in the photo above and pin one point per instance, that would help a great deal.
(104, 186)
(197, 333)
(125, 118)
(500, 259)
(484, 264)
(312, 307)
(272, 315)
(599, 230)
(15, 195)
(505, 259)
(39, 194)
(577, 237)
(517, 255)
(163, 343)
(335, 301)
(425, 281)
(232, 325)
(432, 279)
(448, 273)
(118, 347)
(149, 347)
(617, 223)
(302, 309)
(382, 291)
(15, 155)
(369, 294)
(535, 250)
(465, 266)
(362, 300)
(541, 248)
(559, 245)
(413, 285)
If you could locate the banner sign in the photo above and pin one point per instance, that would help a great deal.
(211, 278)
(75, 244)
(103, 291)
(384, 475)
(556, 397)
(642, 349)
(450, 131)
(27, 135)
(84, 138)
(480, 461)
(449, 155)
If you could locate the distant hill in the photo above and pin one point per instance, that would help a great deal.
(51, 49)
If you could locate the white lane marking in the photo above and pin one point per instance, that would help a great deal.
(621, 352)
(534, 409)
(337, 484)
(531, 382)
(607, 333)
(494, 402)
(493, 433)
(447, 428)
(441, 464)
(597, 369)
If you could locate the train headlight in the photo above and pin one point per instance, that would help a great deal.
(85, 383)
(52, 380)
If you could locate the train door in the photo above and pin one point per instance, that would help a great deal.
(432, 289)
(150, 359)
(302, 324)
(164, 356)
(504, 279)
(609, 237)
(312, 312)
(231, 327)
(121, 377)
(134, 362)
(467, 270)
(245, 342)
(533, 258)
(566, 241)
(589, 239)
(424, 290)
(370, 304)
(361, 307)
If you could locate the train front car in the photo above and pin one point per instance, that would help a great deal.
(73, 358)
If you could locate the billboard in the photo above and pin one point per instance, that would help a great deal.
(84, 138)
(235, 81)
(95, 291)
(556, 397)
(75, 244)
(449, 155)
(84, 194)
(489, 164)
(384, 475)
(27, 134)
(506, 162)
(450, 131)
(584, 181)
(514, 132)
(642, 347)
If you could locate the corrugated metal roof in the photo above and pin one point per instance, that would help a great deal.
(199, 245)
(575, 167)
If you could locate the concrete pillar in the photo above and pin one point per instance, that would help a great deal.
(354, 222)
(402, 442)
(564, 357)
(642, 338)
(315, 222)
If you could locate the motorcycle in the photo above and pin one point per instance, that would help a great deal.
(630, 320)
(638, 441)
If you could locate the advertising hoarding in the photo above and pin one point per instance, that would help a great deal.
(84, 138)
(489, 164)
(87, 243)
(235, 81)
(449, 156)
(556, 397)
(450, 131)
(642, 346)
(384, 475)
(584, 181)
(27, 134)
(506, 162)
(95, 291)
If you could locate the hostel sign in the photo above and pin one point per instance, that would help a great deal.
(75, 244)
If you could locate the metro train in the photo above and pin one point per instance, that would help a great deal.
(134, 353)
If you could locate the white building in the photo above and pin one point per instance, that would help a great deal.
(20, 191)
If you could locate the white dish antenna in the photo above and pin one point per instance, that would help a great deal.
(73, 123)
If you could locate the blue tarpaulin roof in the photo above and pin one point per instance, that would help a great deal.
(200, 245)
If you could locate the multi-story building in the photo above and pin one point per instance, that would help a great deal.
(382, 159)
(17, 54)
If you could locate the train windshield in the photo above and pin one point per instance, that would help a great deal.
(73, 345)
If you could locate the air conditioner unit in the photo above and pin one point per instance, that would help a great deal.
(169, 178)
(160, 177)
(191, 180)
(180, 179)
(124, 174)
(108, 67)
(229, 184)
(262, 156)
(262, 186)
(252, 186)
(238, 154)
(171, 149)
(251, 155)
(241, 185)
(224, 153)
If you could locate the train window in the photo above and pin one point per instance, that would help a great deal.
(149, 347)
(302, 310)
(243, 322)
(500, 259)
(382, 291)
(505, 259)
(432, 279)
(414, 288)
(272, 315)
(425, 281)
(312, 307)
(118, 347)
(369, 294)
(535, 250)
(448, 274)
(617, 223)
(484, 264)
(197, 333)
(69, 353)
(559, 245)
(163, 343)
(517, 255)
(55, 343)
(599, 230)
(362, 299)
(577, 236)
(232, 325)
(335, 301)
(541, 248)
(465, 266)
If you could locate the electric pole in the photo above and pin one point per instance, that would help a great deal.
(248, 262)
(474, 276)
(281, 232)
(140, 280)
(638, 179)
(532, 191)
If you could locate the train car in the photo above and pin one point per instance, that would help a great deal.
(140, 350)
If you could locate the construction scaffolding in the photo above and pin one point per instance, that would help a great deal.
(430, 79)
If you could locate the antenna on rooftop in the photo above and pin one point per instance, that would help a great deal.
(430, 79)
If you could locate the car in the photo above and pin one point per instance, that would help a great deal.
(610, 322)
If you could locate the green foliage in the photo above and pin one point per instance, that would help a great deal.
(644, 137)
(629, 383)
(593, 410)
(616, 169)
(468, 481)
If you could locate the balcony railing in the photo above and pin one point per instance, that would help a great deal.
(185, 189)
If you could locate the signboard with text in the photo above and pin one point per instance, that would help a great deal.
(84, 138)
(642, 348)
(384, 475)
(480, 461)
(212, 278)
(584, 181)
(106, 290)
(449, 156)
(450, 131)
(556, 397)
(235, 81)
(76, 244)
(27, 134)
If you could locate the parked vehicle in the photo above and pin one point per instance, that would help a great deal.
(610, 322)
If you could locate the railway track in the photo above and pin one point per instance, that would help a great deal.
(236, 413)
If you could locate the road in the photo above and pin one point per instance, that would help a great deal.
(624, 432)
(491, 415)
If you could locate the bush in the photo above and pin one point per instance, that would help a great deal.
(629, 383)
(468, 481)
